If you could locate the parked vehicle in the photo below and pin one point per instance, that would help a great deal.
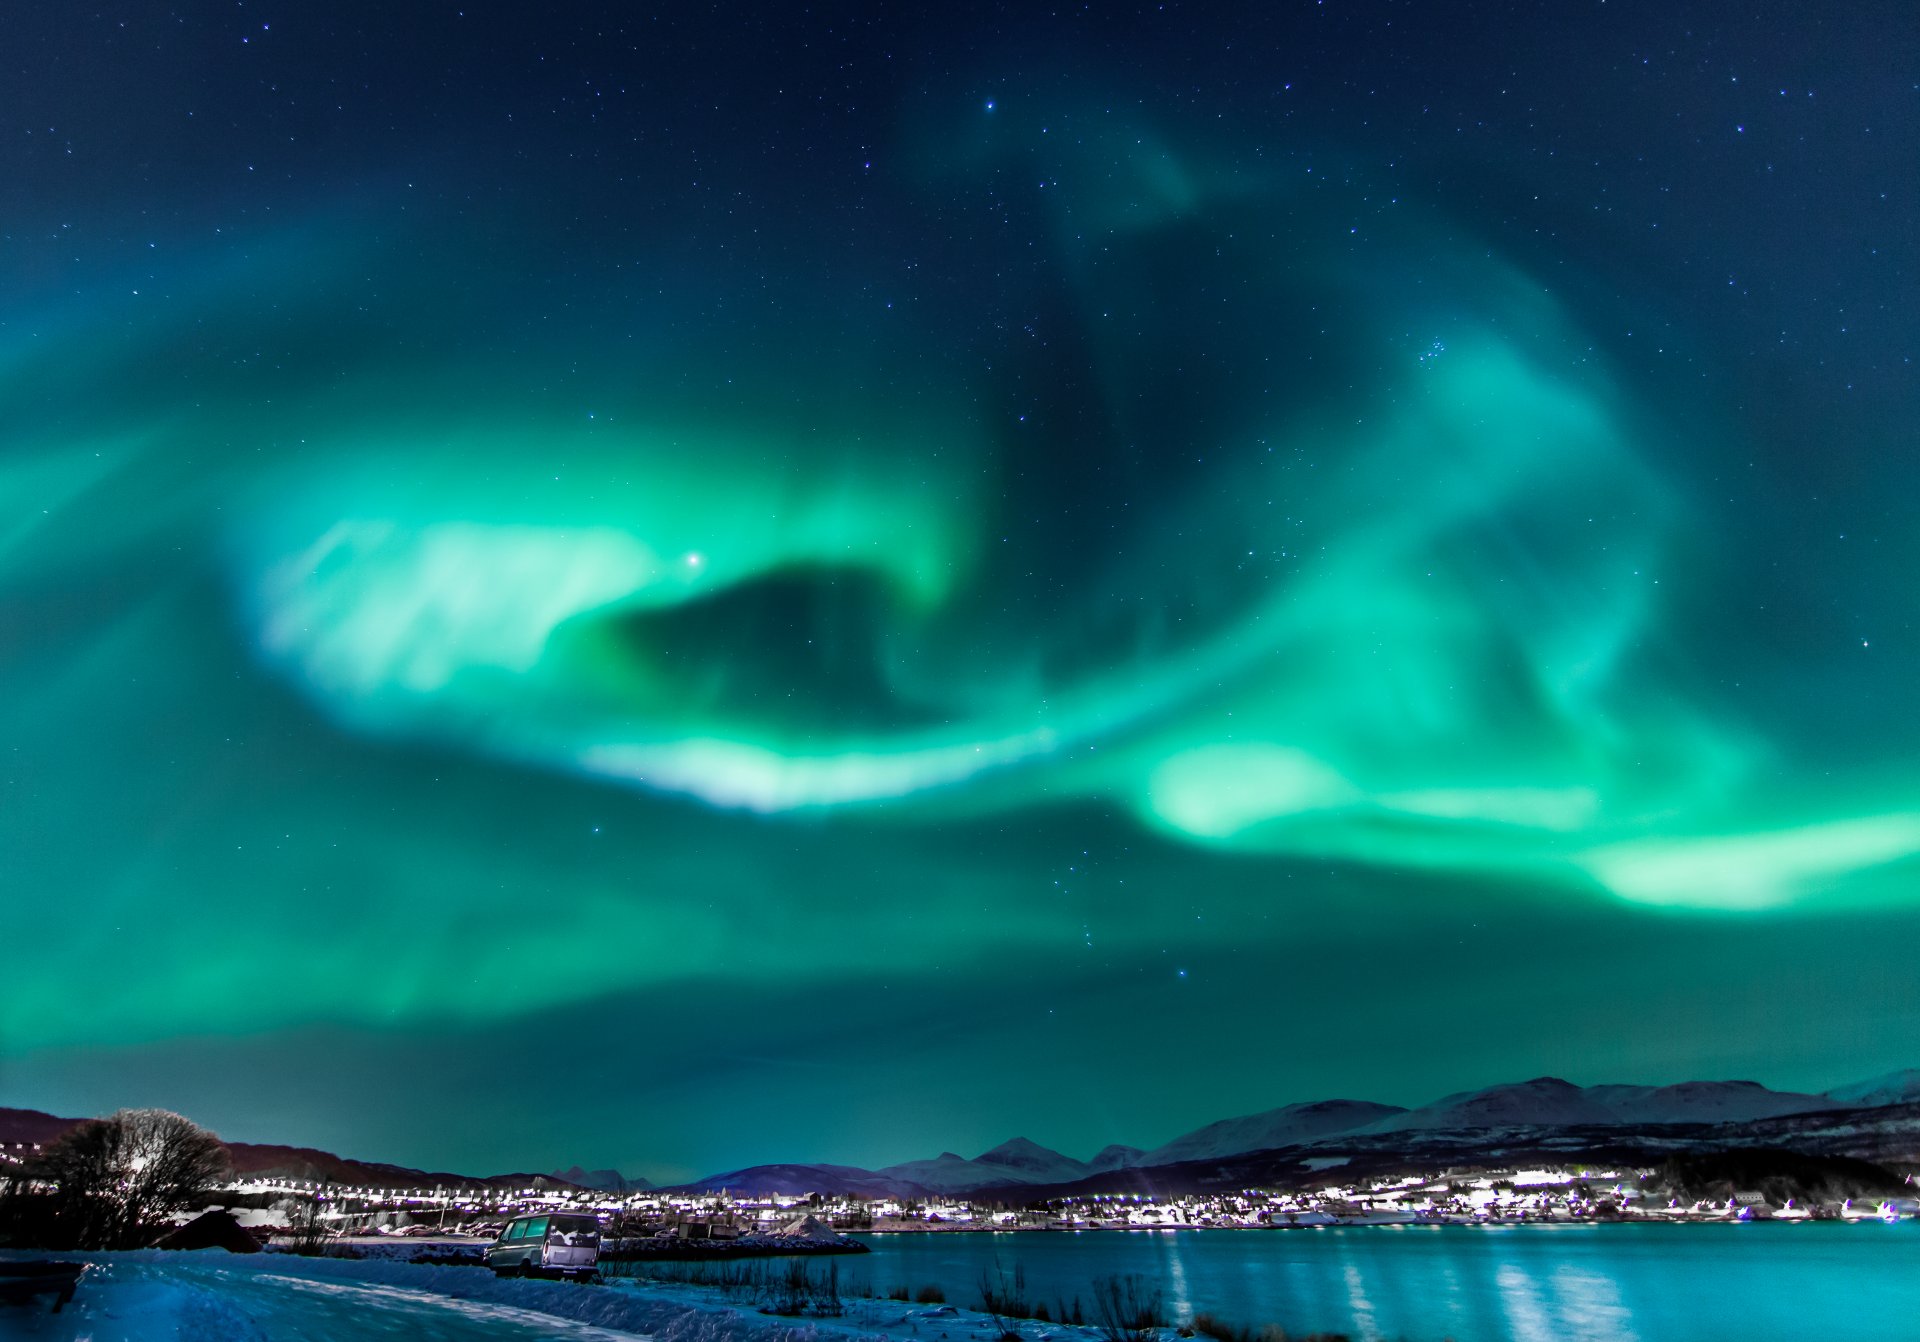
(553, 1244)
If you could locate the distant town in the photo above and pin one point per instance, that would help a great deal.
(1498, 1196)
(1539, 1151)
(154, 1180)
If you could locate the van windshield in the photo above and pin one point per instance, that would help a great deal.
(576, 1227)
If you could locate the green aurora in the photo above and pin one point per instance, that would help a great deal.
(1142, 583)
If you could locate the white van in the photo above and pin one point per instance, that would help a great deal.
(550, 1244)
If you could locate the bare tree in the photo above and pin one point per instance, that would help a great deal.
(1005, 1301)
(307, 1231)
(117, 1177)
(81, 1167)
(1125, 1310)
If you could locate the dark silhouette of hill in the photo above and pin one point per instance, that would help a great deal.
(23, 1129)
(1543, 1120)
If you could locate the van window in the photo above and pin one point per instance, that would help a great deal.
(518, 1230)
(537, 1228)
(576, 1226)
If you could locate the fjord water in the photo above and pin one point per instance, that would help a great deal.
(1621, 1283)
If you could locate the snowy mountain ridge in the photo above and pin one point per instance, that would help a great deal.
(1549, 1102)
(610, 1181)
(1018, 1161)
(1541, 1104)
(1289, 1125)
(1901, 1087)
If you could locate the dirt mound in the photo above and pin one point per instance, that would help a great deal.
(812, 1230)
(214, 1229)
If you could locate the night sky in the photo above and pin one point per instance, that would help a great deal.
(676, 588)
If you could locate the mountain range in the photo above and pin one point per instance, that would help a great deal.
(1878, 1117)
(23, 1129)
(607, 1181)
(1540, 1106)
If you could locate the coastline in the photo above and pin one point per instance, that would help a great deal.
(1679, 1217)
(1508, 1292)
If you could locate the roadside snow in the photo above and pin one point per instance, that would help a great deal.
(155, 1296)
(811, 1229)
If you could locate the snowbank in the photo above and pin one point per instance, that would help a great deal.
(154, 1296)
(811, 1229)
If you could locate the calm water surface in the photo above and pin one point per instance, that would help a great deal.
(1650, 1283)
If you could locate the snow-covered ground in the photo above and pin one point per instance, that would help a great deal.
(156, 1296)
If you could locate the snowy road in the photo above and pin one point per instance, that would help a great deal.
(130, 1297)
(160, 1297)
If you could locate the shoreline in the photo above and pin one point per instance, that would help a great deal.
(1467, 1223)
(424, 1247)
(251, 1297)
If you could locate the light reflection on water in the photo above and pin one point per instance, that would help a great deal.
(1584, 1283)
(1179, 1301)
(1589, 1306)
(1358, 1305)
(1526, 1319)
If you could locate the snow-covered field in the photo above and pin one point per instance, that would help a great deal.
(156, 1296)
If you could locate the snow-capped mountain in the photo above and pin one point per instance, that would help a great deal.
(1286, 1126)
(1705, 1102)
(1901, 1087)
(801, 1179)
(1545, 1101)
(1549, 1102)
(1116, 1157)
(1032, 1160)
(1014, 1162)
(1539, 1105)
(611, 1181)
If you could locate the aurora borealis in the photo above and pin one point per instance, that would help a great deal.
(940, 578)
